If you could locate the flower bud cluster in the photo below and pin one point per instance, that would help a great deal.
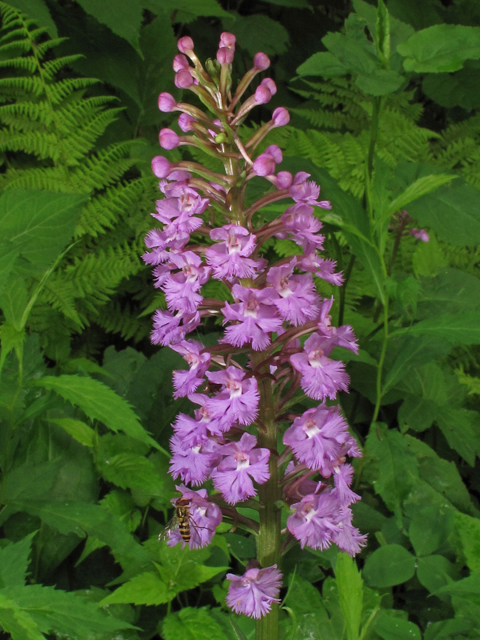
(273, 308)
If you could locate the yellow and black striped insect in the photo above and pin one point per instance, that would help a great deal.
(180, 522)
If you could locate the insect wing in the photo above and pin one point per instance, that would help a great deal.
(170, 531)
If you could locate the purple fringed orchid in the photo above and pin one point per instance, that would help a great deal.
(277, 341)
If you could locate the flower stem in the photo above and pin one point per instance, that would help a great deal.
(268, 539)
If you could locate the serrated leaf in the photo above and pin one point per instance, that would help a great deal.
(252, 29)
(80, 431)
(440, 48)
(191, 624)
(14, 560)
(469, 531)
(39, 224)
(147, 588)
(82, 519)
(357, 56)
(65, 613)
(123, 17)
(15, 621)
(130, 470)
(388, 566)
(99, 402)
(324, 64)
(350, 592)
(461, 430)
(8, 255)
(464, 329)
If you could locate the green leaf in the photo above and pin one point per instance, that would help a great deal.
(191, 624)
(350, 592)
(452, 89)
(440, 48)
(434, 572)
(64, 613)
(450, 291)
(80, 431)
(409, 352)
(389, 566)
(16, 622)
(357, 56)
(14, 559)
(38, 12)
(382, 32)
(85, 519)
(39, 223)
(461, 430)
(11, 339)
(390, 464)
(430, 528)
(464, 329)
(464, 588)
(322, 64)
(147, 588)
(8, 255)
(131, 470)
(182, 569)
(307, 610)
(207, 8)
(469, 531)
(390, 628)
(452, 212)
(123, 17)
(99, 402)
(380, 82)
(250, 30)
(421, 187)
(13, 302)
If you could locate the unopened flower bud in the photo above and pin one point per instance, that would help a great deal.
(275, 152)
(264, 165)
(262, 94)
(168, 139)
(261, 61)
(185, 44)
(420, 234)
(280, 117)
(180, 62)
(227, 40)
(225, 55)
(284, 179)
(183, 79)
(185, 122)
(166, 102)
(221, 138)
(161, 167)
(268, 82)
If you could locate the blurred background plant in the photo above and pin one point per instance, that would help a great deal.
(385, 116)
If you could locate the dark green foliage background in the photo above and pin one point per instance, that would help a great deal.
(85, 399)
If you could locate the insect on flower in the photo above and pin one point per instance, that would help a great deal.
(190, 525)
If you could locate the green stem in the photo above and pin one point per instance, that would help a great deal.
(381, 361)
(268, 539)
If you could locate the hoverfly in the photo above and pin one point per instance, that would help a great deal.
(183, 527)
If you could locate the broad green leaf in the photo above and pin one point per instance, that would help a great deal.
(463, 588)
(382, 32)
(434, 572)
(308, 616)
(39, 223)
(451, 211)
(17, 622)
(380, 82)
(11, 338)
(389, 566)
(448, 629)
(358, 57)
(409, 352)
(461, 430)
(207, 8)
(191, 624)
(350, 592)
(440, 475)
(14, 559)
(421, 187)
(123, 17)
(8, 254)
(430, 528)
(390, 628)
(99, 402)
(38, 12)
(31, 481)
(426, 393)
(130, 470)
(64, 613)
(86, 519)
(440, 48)
(322, 64)
(456, 329)
(452, 89)
(390, 464)
(183, 569)
(469, 531)
(450, 291)
(252, 29)
(13, 301)
(147, 588)
(80, 431)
